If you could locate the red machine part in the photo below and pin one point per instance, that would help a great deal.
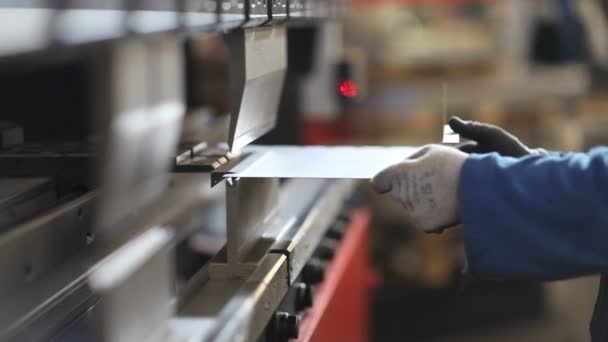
(341, 302)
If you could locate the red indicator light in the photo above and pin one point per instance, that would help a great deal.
(348, 88)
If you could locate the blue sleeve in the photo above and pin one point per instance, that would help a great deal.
(537, 217)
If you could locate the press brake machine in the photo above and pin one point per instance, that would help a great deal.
(96, 200)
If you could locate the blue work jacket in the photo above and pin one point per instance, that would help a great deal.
(538, 218)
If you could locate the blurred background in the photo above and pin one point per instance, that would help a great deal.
(535, 68)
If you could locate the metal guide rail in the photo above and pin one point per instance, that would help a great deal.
(51, 25)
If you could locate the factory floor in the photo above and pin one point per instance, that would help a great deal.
(569, 304)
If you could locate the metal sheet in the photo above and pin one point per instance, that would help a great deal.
(449, 136)
(335, 162)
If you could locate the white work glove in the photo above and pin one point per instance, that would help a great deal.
(426, 184)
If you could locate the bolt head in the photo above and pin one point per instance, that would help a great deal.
(288, 326)
(304, 297)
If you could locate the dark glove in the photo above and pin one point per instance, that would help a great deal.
(486, 138)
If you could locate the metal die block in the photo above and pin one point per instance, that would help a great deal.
(300, 241)
(250, 204)
(269, 285)
(241, 308)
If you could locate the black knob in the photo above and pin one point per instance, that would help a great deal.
(303, 296)
(314, 272)
(327, 249)
(287, 326)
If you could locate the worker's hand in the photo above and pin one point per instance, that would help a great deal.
(489, 138)
(426, 184)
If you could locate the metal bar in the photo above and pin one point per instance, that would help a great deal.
(250, 204)
(42, 261)
(301, 240)
(134, 288)
(142, 104)
(22, 198)
(40, 309)
(266, 287)
(36, 27)
(29, 251)
(248, 307)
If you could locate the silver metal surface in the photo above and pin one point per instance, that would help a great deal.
(22, 198)
(35, 248)
(336, 162)
(279, 10)
(40, 259)
(257, 61)
(53, 291)
(134, 285)
(143, 105)
(213, 307)
(235, 309)
(264, 290)
(222, 309)
(142, 299)
(15, 190)
(301, 239)
(36, 27)
(258, 13)
(42, 308)
(251, 208)
(449, 137)
(250, 204)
